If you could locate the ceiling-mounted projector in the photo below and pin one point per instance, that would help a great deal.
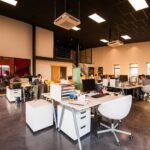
(115, 43)
(66, 21)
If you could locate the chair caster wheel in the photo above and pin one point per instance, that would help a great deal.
(118, 127)
(101, 127)
(130, 137)
(118, 144)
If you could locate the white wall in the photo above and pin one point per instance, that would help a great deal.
(44, 67)
(15, 38)
(124, 55)
(44, 42)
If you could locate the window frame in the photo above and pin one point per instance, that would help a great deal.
(147, 68)
(132, 67)
(116, 67)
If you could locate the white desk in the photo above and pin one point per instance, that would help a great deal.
(39, 114)
(48, 97)
(12, 94)
(128, 87)
(91, 102)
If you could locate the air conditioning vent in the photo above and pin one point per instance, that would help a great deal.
(66, 21)
(115, 43)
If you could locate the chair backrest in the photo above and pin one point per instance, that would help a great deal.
(146, 88)
(116, 109)
(112, 82)
(105, 82)
(35, 91)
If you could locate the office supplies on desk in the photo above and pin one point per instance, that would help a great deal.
(81, 98)
(99, 95)
(81, 103)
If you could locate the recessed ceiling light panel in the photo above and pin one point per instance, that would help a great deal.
(126, 37)
(96, 18)
(138, 4)
(104, 40)
(12, 2)
(76, 28)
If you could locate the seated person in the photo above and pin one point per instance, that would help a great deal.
(144, 80)
(15, 82)
(45, 86)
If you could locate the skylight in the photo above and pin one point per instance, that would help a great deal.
(138, 4)
(96, 18)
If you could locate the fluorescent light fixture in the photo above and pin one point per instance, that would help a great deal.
(12, 2)
(104, 40)
(138, 4)
(126, 37)
(76, 28)
(96, 18)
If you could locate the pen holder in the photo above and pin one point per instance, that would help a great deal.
(71, 96)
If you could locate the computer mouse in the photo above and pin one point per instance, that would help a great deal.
(107, 94)
(115, 94)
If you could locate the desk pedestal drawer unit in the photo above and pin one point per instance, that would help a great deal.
(12, 94)
(39, 114)
(83, 121)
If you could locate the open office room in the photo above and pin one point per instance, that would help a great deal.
(75, 74)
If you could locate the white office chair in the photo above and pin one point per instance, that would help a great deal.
(115, 110)
(105, 82)
(146, 90)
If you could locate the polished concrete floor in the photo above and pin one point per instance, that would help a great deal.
(15, 135)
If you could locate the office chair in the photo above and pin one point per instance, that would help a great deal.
(115, 110)
(35, 92)
(146, 90)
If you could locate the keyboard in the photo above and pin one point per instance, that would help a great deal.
(98, 95)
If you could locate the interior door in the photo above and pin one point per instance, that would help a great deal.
(55, 73)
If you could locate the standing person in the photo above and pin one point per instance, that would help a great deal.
(38, 87)
(38, 80)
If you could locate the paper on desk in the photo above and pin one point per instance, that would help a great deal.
(82, 103)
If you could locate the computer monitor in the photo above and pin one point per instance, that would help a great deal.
(123, 78)
(133, 79)
(148, 76)
(33, 78)
(88, 85)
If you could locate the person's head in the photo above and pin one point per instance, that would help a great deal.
(39, 76)
(142, 76)
(139, 76)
